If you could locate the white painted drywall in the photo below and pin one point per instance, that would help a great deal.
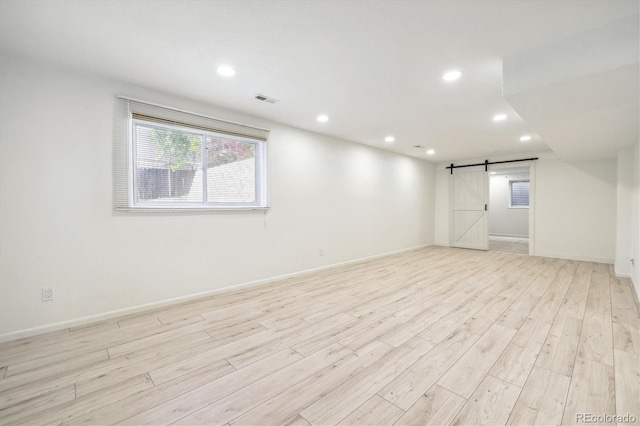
(574, 212)
(504, 220)
(635, 225)
(586, 53)
(624, 212)
(59, 228)
(442, 207)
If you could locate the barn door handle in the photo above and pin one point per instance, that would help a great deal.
(485, 207)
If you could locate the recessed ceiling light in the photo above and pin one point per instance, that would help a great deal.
(525, 138)
(499, 117)
(451, 75)
(322, 118)
(226, 71)
(431, 152)
(389, 139)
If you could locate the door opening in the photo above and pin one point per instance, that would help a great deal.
(509, 206)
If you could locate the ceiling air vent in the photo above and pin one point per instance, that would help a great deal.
(266, 99)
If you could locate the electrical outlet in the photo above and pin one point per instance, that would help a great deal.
(47, 294)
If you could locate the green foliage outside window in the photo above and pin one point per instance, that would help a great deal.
(176, 147)
(180, 148)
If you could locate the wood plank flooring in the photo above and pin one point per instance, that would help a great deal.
(511, 244)
(432, 336)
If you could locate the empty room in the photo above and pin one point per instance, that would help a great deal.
(316, 212)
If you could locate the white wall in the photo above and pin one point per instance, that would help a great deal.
(635, 225)
(624, 212)
(574, 211)
(58, 227)
(442, 207)
(504, 220)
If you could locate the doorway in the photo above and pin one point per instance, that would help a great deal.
(510, 198)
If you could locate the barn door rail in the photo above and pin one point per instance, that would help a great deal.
(487, 163)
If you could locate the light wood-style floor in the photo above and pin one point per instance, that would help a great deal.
(434, 336)
(512, 244)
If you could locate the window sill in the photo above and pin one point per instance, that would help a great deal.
(175, 209)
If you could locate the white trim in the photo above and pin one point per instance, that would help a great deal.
(450, 183)
(622, 275)
(187, 209)
(636, 296)
(508, 235)
(574, 257)
(532, 208)
(148, 306)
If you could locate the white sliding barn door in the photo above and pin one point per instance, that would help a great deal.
(469, 216)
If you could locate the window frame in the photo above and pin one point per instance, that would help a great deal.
(511, 206)
(260, 178)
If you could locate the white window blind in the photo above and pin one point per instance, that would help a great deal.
(519, 193)
(166, 158)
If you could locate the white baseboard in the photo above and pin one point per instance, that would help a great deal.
(573, 257)
(636, 296)
(622, 275)
(154, 305)
(509, 235)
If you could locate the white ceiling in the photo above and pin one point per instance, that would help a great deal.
(374, 67)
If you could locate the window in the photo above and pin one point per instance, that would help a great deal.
(178, 160)
(519, 193)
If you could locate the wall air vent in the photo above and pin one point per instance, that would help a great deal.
(266, 99)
